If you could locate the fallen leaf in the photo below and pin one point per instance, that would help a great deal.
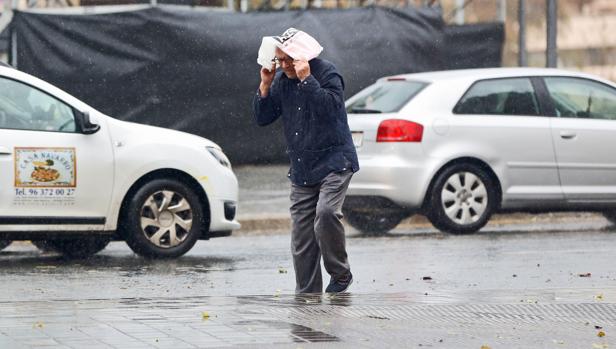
(601, 334)
(282, 271)
(485, 347)
(39, 324)
(584, 275)
(599, 346)
(205, 315)
(599, 297)
(558, 341)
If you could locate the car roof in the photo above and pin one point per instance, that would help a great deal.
(486, 73)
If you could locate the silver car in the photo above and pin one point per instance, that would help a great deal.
(458, 146)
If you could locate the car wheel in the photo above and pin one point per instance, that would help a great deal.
(611, 216)
(77, 247)
(373, 223)
(462, 199)
(4, 244)
(164, 219)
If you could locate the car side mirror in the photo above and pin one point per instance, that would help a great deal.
(87, 127)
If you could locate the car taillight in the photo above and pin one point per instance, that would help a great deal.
(399, 131)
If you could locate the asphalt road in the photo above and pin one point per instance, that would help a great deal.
(543, 285)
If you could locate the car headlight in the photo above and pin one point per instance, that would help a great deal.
(219, 156)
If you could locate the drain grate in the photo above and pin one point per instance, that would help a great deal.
(485, 313)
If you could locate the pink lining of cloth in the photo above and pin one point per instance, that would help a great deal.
(293, 42)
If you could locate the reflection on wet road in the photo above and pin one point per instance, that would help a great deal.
(509, 257)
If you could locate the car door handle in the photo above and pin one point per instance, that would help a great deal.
(4, 151)
(567, 135)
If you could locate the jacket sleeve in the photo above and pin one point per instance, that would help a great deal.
(327, 94)
(267, 109)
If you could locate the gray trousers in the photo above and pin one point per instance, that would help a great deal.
(317, 230)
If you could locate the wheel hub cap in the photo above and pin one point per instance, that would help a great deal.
(166, 219)
(464, 198)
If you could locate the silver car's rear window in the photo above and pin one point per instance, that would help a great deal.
(385, 96)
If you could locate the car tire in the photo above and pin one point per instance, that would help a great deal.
(159, 211)
(610, 216)
(77, 247)
(4, 244)
(373, 223)
(462, 199)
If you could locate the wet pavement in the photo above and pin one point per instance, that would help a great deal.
(511, 286)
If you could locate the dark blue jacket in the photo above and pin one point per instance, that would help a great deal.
(315, 122)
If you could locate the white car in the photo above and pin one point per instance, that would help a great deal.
(458, 146)
(72, 179)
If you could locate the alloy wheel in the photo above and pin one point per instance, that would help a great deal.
(464, 198)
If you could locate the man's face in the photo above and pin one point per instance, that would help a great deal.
(286, 64)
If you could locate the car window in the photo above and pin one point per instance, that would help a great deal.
(582, 98)
(385, 96)
(514, 96)
(24, 107)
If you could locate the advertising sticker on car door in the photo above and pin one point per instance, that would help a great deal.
(45, 176)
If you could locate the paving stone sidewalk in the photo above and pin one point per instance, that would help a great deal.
(551, 318)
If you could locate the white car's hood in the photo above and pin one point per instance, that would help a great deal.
(124, 131)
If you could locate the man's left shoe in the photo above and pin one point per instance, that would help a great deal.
(339, 286)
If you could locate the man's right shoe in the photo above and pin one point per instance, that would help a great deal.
(339, 286)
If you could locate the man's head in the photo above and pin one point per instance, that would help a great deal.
(286, 63)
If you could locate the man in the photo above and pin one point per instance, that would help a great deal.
(309, 97)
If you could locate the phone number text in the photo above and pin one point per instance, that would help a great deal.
(44, 192)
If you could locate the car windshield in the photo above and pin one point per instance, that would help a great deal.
(384, 97)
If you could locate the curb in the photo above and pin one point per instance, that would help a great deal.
(277, 222)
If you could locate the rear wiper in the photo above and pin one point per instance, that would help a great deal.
(365, 111)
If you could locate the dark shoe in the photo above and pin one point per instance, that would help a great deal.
(339, 286)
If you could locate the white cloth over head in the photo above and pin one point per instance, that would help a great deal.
(295, 43)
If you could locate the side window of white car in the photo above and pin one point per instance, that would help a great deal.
(515, 96)
(582, 98)
(24, 107)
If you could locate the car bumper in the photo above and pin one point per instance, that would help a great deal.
(392, 177)
(223, 217)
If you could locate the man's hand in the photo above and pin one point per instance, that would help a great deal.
(267, 77)
(302, 69)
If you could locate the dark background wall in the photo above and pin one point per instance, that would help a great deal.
(196, 71)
